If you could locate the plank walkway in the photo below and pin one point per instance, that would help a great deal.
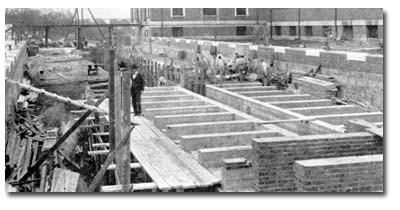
(169, 167)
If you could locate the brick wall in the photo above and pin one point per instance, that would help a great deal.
(274, 157)
(359, 74)
(344, 174)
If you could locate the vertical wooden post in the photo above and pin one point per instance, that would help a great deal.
(183, 77)
(79, 44)
(202, 78)
(196, 78)
(125, 128)
(157, 74)
(111, 103)
(46, 36)
(151, 73)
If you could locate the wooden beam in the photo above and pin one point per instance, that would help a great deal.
(161, 121)
(328, 110)
(133, 187)
(123, 156)
(131, 165)
(111, 98)
(283, 98)
(303, 103)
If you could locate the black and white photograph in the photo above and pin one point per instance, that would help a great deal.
(190, 100)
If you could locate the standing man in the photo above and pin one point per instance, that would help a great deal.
(136, 90)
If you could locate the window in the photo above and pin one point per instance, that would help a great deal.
(177, 12)
(177, 31)
(372, 31)
(326, 30)
(308, 30)
(292, 30)
(241, 30)
(347, 32)
(241, 12)
(209, 11)
(278, 30)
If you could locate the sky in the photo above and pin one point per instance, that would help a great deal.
(104, 13)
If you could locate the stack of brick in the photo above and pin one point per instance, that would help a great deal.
(343, 174)
(315, 87)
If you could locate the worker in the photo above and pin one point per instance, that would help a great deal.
(220, 67)
(241, 67)
(137, 89)
(264, 67)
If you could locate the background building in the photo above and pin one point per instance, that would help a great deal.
(249, 23)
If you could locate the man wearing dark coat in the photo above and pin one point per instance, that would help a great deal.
(137, 89)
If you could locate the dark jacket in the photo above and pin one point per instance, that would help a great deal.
(137, 83)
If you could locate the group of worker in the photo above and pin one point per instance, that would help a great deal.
(242, 68)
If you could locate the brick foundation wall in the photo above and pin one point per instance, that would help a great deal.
(344, 174)
(274, 157)
(360, 75)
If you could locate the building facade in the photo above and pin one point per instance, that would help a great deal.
(248, 23)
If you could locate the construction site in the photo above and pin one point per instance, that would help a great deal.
(255, 104)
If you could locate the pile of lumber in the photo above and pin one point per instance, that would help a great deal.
(22, 146)
(327, 78)
(315, 87)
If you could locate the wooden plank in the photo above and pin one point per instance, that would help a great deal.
(166, 98)
(181, 110)
(177, 130)
(283, 98)
(255, 88)
(170, 104)
(376, 131)
(161, 121)
(241, 84)
(64, 181)
(101, 134)
(131, 165)
(202, 176)
(328, 110)
(303, 103)
(133, 187)
(101, 145)
(162, 93)
(168, 169)
(99, 152)
(265, 93)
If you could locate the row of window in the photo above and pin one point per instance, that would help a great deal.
(372, 31)
(178, 31)
(179, 12)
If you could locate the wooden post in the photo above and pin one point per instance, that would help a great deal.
(157, 73)
(46, 36)
(124, 153)
(111, 98)
(183, 76)
(202, 78)
(151, 73)
(79, 44)
(196, 78)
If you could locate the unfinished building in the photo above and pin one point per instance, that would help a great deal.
(321, 133)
